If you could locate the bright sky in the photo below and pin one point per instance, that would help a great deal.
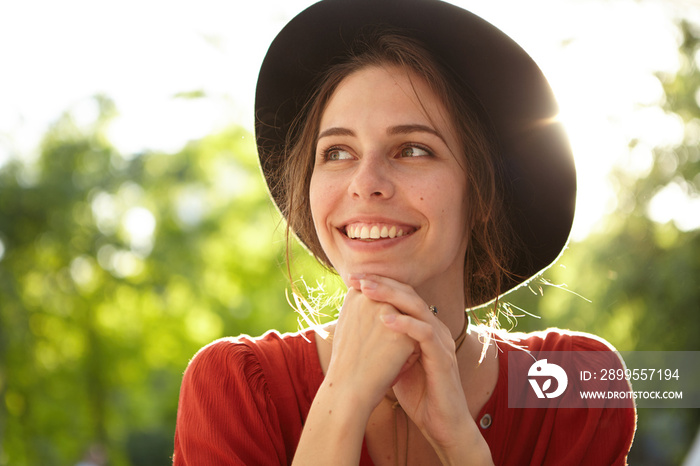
(599, 56)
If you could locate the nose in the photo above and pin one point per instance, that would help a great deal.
(372, 178)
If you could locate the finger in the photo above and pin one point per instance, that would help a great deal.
(403, 297)
(433, 345)
(352, 281)
(407, 301)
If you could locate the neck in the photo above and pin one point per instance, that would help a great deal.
(448, 298)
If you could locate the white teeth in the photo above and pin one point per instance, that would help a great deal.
(367, 232)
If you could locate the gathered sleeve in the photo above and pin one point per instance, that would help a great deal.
(225, 414)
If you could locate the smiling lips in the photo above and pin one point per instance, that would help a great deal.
(369, 232)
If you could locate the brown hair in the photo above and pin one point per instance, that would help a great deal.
(491, 240)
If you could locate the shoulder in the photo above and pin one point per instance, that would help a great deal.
(246, 355)
(286, 366)
(555, 339)
(243, 399)
(587, 431)
(271, 342)
(575, 351)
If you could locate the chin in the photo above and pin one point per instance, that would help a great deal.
(398, 271)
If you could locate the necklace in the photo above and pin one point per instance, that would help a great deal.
(396, 406)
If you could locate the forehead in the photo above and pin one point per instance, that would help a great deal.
(386, 93)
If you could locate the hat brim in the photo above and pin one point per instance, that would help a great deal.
(537, 162)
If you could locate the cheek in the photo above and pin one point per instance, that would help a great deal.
(449, 202)
(446, 193)
(315, 201)
(320, 202)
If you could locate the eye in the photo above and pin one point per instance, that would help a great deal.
(413, 151)
(335, 153)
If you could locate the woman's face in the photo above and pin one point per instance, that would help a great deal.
(388, 189)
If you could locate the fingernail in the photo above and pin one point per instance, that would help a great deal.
(388, 318)
(368, 285)
(356, 276)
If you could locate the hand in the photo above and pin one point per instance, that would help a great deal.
(367, 356)
(430, 391)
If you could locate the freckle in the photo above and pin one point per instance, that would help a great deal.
(421, 198)
(330, 384)
(330, 411)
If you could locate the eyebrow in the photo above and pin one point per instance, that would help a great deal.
(335, 132)
(394, 130)
(416, 128)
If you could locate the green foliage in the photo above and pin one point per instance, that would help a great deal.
(115, 272)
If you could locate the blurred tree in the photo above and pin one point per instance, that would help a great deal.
(115, 271)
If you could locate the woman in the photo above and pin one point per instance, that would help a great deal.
(413, 149)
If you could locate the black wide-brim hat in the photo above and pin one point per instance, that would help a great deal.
(536, 163)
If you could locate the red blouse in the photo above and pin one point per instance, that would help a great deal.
(244, 401)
